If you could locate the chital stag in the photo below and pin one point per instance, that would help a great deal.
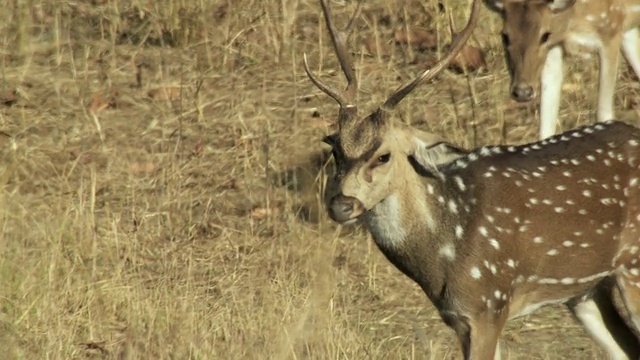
(536, 34)
(478, 229)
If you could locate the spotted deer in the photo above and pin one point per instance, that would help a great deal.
(537, 33)
(478, 230)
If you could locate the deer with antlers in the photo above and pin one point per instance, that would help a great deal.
(478, 229)
(536, 34)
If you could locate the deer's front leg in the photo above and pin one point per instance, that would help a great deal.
(551, 84)
(631, 49)
(609, 55)
(480, 340)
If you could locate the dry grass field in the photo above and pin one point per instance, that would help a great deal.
(161, 171)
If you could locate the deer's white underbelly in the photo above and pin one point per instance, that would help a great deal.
(535, 306)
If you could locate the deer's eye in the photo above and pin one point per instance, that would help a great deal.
(545, 37)
(382, 159)
(505, 39)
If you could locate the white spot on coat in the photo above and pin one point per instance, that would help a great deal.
(475, 273)
(448, 252)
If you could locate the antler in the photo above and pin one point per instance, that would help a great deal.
(428, 74)
(339, 39)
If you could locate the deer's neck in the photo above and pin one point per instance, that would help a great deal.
(406, 212)
(418, 229)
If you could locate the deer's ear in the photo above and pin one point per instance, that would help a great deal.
(495, 5)
(433, 154)
(557, 6)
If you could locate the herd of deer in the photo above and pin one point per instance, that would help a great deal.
(493, 233)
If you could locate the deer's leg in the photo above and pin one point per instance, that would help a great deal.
(598, 315)
(480, 341)
(629, 286)
(609, 55)
(631, 49)
(551, 84)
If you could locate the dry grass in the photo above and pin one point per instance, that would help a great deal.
(160, 182)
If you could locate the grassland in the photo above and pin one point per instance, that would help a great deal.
(161, 172)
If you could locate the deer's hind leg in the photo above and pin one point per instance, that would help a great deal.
(629, 286)
(627, 274)
(631, 49)
(598, 314)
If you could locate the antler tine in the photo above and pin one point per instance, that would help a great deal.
(327, 90)
(428, 74)
(338, 38)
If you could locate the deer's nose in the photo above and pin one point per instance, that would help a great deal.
(522, 92)
(344, 208)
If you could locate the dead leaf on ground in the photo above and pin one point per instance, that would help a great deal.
(139, 64)
(96, 346)
(470, 58)
(339, 261)
(165, 93)
(198, 149)
(419, 39)
(99, 103)
(231, 184)
(141, 167)
(247, 142)
(81, 157)
(262, 213)
(377, 48)
(8, 97)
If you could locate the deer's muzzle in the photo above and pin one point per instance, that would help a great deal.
(522, 92)
(345, 209)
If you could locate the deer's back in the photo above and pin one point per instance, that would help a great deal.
(565, 205)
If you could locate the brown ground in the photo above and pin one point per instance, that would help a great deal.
(160, 171)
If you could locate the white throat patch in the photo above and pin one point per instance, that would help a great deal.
(384, 222)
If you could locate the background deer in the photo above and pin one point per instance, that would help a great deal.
(537, 32)
(478, 230)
